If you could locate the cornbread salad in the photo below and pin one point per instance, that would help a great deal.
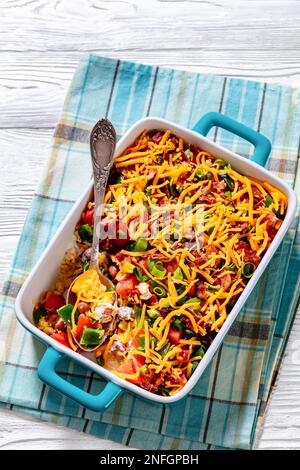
(183, 233)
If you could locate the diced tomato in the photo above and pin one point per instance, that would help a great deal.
(138, 360)
(54, 301)
(171, 266)
(135, 341)
(89, 216)
(122, 235)
(125, 287)
(62, 338)
(83, 321)
(174, 335)
(129, 367)
(192, 291)
(135, 381)
(116, 232)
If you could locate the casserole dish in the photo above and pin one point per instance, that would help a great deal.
(45, 271)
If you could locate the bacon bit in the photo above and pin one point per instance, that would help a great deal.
(271, 220)
(183, 177)
(187, 322)
(205, 189)
(119, 258)
(151, 381)
(241, 245)
(150, 175)
(181, 379)
(258, 197)
(243, 226)
(207, 199)
(201, 291)
(174, 141)
(184, 157)
(200, 259)
(257, 194)
(153, 300)
(224, 281)
(250, 255)
(113, 271)
(60, 324)
(273, 224)
(164, 312)
(160, 256)
(219, 186)
(156, 137)
(212, 249)
(195, 149)
(185, 354)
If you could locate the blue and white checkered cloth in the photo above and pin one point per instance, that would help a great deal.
(225, 407)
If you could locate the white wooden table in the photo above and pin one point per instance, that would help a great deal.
(41, 42)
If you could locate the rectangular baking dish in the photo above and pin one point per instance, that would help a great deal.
(43, 275)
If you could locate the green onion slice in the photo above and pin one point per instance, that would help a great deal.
(248, 269)
(140, 245)
(178, 274)
(268, 201)
(153, 313)
(86, 233)
(157, 269)
(159, 291)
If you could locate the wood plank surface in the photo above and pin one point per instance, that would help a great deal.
(41, 42)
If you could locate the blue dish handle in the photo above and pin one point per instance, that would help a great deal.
(261, 143)
(47, 373)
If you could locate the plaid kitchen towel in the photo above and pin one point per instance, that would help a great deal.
(224, 408)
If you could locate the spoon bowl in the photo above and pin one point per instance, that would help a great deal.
(71, 296)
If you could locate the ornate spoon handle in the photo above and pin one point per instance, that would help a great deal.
(102, 145)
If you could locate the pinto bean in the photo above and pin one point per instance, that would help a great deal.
(83, 307)
(60, 324)
(113, 271)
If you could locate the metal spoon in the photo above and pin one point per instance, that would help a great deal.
(102, 147)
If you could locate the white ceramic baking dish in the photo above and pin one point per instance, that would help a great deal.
(44, 273)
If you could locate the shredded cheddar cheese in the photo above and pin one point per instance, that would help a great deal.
(193, 233)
